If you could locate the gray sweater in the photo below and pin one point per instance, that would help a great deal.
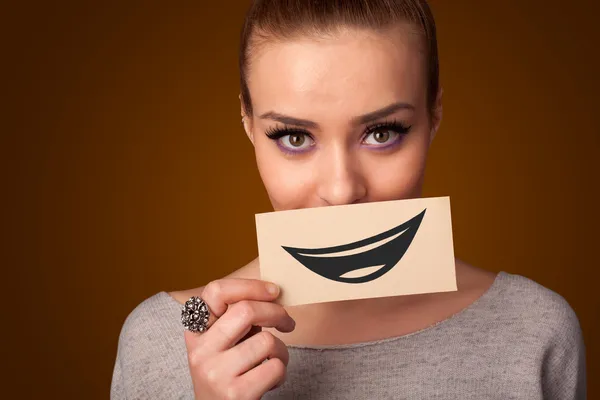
(517, 341)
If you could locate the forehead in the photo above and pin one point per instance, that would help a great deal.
(347, 74)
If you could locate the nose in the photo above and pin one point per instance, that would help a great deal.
(340, 178)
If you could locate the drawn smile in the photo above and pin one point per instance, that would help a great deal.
(380, 252)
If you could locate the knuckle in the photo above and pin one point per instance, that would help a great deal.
(194, 359)
(245, 310)
(209, 373)
(222, 331)
(266, 339)
(211, 376)
(233, 392)
(213, 290)
(278, 367)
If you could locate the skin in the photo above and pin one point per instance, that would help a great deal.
(332, 81)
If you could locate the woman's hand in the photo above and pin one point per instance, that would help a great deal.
(225, 362)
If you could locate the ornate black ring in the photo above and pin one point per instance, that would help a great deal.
(194, 315)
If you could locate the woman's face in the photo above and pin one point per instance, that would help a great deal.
(340, 120)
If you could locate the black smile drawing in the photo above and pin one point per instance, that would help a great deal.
(386, 255)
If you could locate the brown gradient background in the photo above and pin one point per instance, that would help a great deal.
(127, 171)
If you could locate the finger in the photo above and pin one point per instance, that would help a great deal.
(253, 331)
(263, 378)
(221, 293)
(238, 320)
(250, 353)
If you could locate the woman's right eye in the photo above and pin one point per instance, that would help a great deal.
(291, 140)
(296, 141)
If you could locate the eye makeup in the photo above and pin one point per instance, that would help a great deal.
(279, 133)
(397, 129)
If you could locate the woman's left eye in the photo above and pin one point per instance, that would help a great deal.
(381, 137)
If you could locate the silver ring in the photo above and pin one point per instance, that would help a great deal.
(194, 315)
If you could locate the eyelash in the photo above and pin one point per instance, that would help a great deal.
(393, 125)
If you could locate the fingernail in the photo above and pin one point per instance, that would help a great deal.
(272, 288)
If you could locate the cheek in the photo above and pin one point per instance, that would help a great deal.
(288, 184)
(399, 176)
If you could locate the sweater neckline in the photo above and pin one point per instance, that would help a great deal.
(454, 318)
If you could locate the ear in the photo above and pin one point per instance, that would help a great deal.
(246, 122)
(437, 115)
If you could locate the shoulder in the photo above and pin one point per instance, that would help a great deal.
(548, 319)
(534, 313)
(149, 319)
(515, 306)
(151, 355)
(538, 303)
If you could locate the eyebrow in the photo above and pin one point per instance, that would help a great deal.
(360, 120)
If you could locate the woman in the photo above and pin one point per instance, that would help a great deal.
(341, 106)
